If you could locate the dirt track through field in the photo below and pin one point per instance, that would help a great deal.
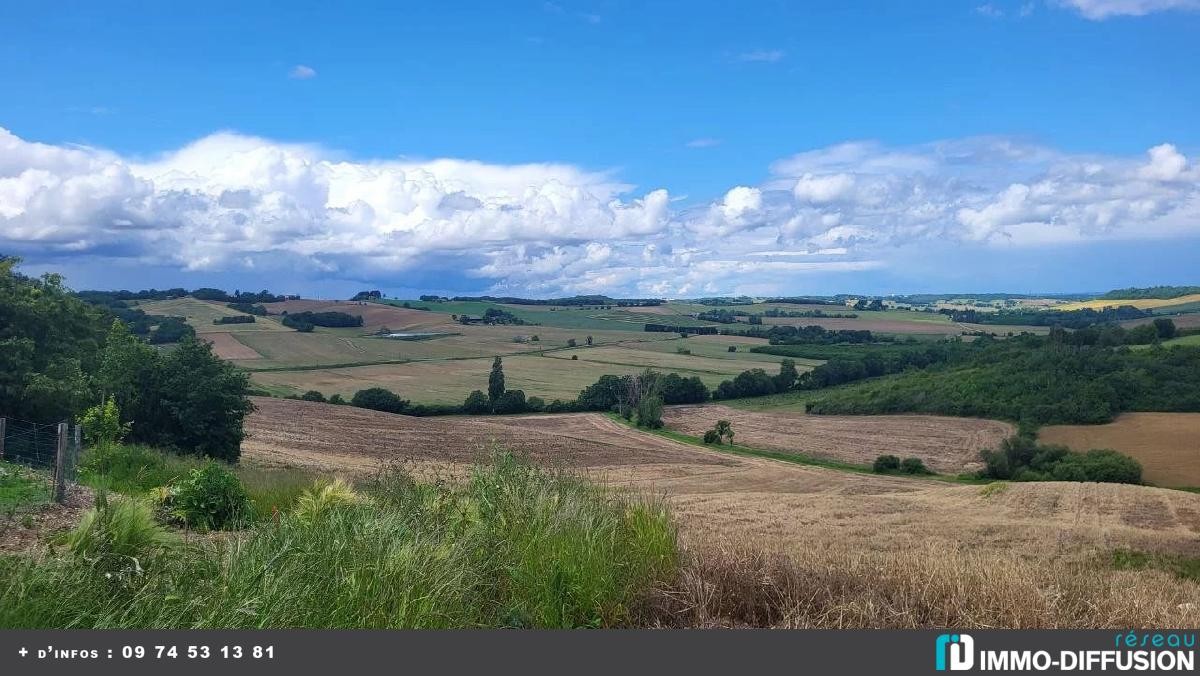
(945, 444)
(718, 496)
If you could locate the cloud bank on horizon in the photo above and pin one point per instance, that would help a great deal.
(235, 202)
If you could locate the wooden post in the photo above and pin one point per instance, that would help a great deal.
(60, 458)
(76, 451)
(3, 422)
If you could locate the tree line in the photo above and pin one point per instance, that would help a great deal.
(60, 355)
(1031, 379)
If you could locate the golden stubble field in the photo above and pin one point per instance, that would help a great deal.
(721, 497)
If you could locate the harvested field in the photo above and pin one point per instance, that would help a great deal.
(306, 434)
(778, 506)
(1167, 444)
(227, 346)
(945, 444)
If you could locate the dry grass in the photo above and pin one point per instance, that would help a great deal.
(1167, 444)
(840, 587)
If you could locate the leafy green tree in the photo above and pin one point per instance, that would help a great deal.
(476, 403)
(496, 381)
(201, 403)
(102, 424)
(1165, 328)
(313, 395)
(512, 401)
(787, 376)
(724, 429)
(913, 466)
(49, 342)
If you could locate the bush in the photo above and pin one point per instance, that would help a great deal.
(535, 404)
(313, 395)
(886, 464)
(914, 466)
(337, 400)
(477, 403)
(711, 437)
(102, 424)
(379, 399)
(1021, 458)
(732, 348)
(210, 498)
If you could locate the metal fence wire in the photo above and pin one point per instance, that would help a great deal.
(37, 462)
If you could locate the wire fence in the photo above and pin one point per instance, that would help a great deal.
(37, 463)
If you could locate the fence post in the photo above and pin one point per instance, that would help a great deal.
(3, 423)
(60, 459)
(76, 451)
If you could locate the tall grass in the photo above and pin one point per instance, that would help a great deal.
(852, 588)
(514, 546)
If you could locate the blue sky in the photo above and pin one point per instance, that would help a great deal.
(662, 148)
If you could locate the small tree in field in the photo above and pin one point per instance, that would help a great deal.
(724, 430)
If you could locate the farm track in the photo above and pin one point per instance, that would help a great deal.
(718, 496)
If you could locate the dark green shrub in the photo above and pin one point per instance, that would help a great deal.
(337, 400)
(477, 403)
(512, 401)
(210, 498)
(711, 437)
(313, 395)
(885, 464)
(379, 399)
(913, 466)
(1021, 458)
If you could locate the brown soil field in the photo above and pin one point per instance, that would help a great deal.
(1167, 444)
(227, 346)
(323, 436)
(718, 497)
(375, 315)
(945, 444)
